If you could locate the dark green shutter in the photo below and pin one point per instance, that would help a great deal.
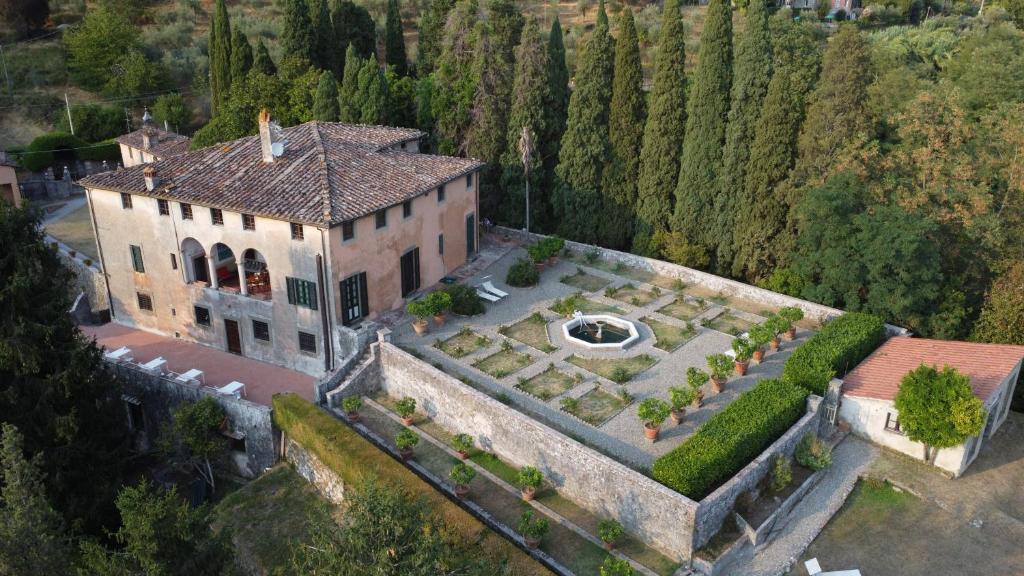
(290, 282)
(137, 263)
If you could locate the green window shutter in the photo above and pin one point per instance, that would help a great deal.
(137, 262)
(291, 290)
(311, 288)
(301, 292)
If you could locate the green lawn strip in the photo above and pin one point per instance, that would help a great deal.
(548, 384)
(684, 309)
(751, 306)
(464, 343)
(503, 363)
(632, 295)
(615, 369)
(729, 323)
(495, 466)
(532, 331)
(596, 407)
(75, 230)
(268, 517)
(584, 281)
(654, 279)
(668, 337)
(565, 307)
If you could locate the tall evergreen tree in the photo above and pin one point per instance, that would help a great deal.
(663, 133)
(325, 103)
(241, 56)
(701, 164)
(504, 25)
(325, 50)
(262, 60)
(530, 95)
(220, 56)
(452, 98)
(761, 213)
(372, 93)
(353, 26)
(577, 193)
(753, 70)
(485, 138)
(625, 131)
(399, 100)
(348, 109)
(428, 47)
(556, 112)
(394, 40)
(297, 36)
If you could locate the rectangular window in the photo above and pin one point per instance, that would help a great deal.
(469, 181)
(186, 211)
(126, 201)
(354, 299)
(406, 208)
(307, 342)
(216, 217)
(261, 330)
(382, 218)
(174, 262)
(892, 423)
(348, 230)
(301, 292)
(145, 301)
(163, 207)
(248, 222)
(137, 262)
(440, 193)
(440, 244)
(136, 419)
(297, 231)
(202, 316)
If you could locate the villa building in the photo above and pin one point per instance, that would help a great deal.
(149, 144)
(265, 245)
(870, 389)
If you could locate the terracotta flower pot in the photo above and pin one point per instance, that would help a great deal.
(353, 416)
(758, 356)
(790, 334)
(405, 453)
(651, 431)
(677, 417)
(528, 493)
(741, 367)
(461, 490)
(698, 399)
(407, 420)
(609, 546)
(718, 384)
(539, 266)
(531, 542)
(552, 260)
(420, 326)
(774, 344)
(439, 319)
(462, 455)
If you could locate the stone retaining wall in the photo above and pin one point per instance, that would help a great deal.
(325, 480)
(88, 279)
(760, 535)
(658, 515)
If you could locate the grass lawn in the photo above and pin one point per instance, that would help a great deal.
(587, 306)
(267, 517)
(729, 323)
(75, 230)
(462, 344)
(632, 295)
(669, 336)
(595, 407)
(504, 362)
(532, 331)
(684, 309)
(548, 384)
(615, 369)
(584, 281)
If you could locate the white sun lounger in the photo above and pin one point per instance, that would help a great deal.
(487, 295)
(490, 288)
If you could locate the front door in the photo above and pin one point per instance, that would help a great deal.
(234, 337)
(470, 236)
(353, 299)
(410, 272)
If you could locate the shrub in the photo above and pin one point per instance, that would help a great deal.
(790, 315)
(352, 403)
(761, 334)
(813, 453)
(653, 411)
(93, 122)
(531, 528)
(530, 477)
(620, 374)
(696, 378)
(782, 473)
(570, 404)
(38, 155)
(839, 346)
(405, 407)
(419, 308)
(720, 366)
(610, 530)
(537, 252)
(406, 439)
(465, 302)
(592, 255)
(462, 474)
(87, 261)
(439, 302)
(731, 439)
(680, 397)
(613, 566)
(743, 348)
(462, 442)
(567, 306)
(522, 274)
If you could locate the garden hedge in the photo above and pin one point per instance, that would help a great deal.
(839, 346)
(355, 459)
(729, 440)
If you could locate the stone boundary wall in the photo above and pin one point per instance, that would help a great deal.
(717, 506)
(658, 515)
(89, 279)
(760, 535)
(722, 566)
(325, 480)
(350, 345)
(159, 397)
(361, 381)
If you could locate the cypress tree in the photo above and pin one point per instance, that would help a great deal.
(753, 66)
(325, 103)
(577, 193)
(431, 30)
(353, 26)
(325, 46)
(504, 26)
(394, 40)
(556, 111)
(485, 138)
(625, 131)
(529, 96)
(371, 94)
(241, 56)
(348, 108)
(701, 164)
(399, 99)
(220, 56)
(454, 89)
(761, 213)
(262, 61)
(297, 37)
(663, 133)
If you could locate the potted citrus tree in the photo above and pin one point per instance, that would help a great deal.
(421, 309)
(679, 398)
(720, 366)
(533, 530)
(440, 302)
(538, 254)
(653, 412)
(405, 440)
(462, 443)
(462, 474)
(759, 337)
(405, 408)
(530, 480)
(777, 326)
(696, 379)
(552, 246)
(790, 315)
(351, 405)
(744, 350)
(610, 530)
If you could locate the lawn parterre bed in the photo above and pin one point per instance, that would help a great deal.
(464, 343)
(632, 295)
(504, 362)
(615, 369)
(596, 407)
(548, 384)
(532, 331)
(667, 336)
(684, 309)
(838, 347)
(729, 323)
(584, 281)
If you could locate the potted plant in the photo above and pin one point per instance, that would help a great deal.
(776, 325)
(720, 366)
(610, 530)
(679, 398)
(653, 412)
(744, 350)
(405, 408)
(351, 405)
(462, 443)
(530, 480)
(440, 303)
(462, 474)
(532, 530)
(790, 316)
(538, 254)
(696, 379)
(759, 337)
(553, 245)
(421, 309)
(404, 441)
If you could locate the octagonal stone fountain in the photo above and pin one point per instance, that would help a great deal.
(600, 331)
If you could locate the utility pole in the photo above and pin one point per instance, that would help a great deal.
(526, 154)
(3, 60)
(67, 105)
(127, 120)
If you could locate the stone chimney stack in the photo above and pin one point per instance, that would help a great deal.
(148, 133)
(267, 140)
(149, 174)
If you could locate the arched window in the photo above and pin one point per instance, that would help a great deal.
(194, 258)
(226, 267)
(257, 276)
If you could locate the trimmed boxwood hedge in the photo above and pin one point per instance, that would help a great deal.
(729, 440)
(833, 351)
(354, 459)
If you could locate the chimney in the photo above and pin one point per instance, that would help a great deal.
(147, 139)
(271, 143)
(150, 176)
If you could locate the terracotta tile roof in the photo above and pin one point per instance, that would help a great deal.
(163, 144)
(880, 374)
(329, 173)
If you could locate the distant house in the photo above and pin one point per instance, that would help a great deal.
(149, 144)
(9, 190)
(870, 389)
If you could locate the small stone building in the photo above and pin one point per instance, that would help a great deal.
(9, 190)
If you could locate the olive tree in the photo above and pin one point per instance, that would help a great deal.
(938, 408)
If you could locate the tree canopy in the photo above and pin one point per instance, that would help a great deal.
(938, 408)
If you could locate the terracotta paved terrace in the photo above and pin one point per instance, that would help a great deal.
(262, 380)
